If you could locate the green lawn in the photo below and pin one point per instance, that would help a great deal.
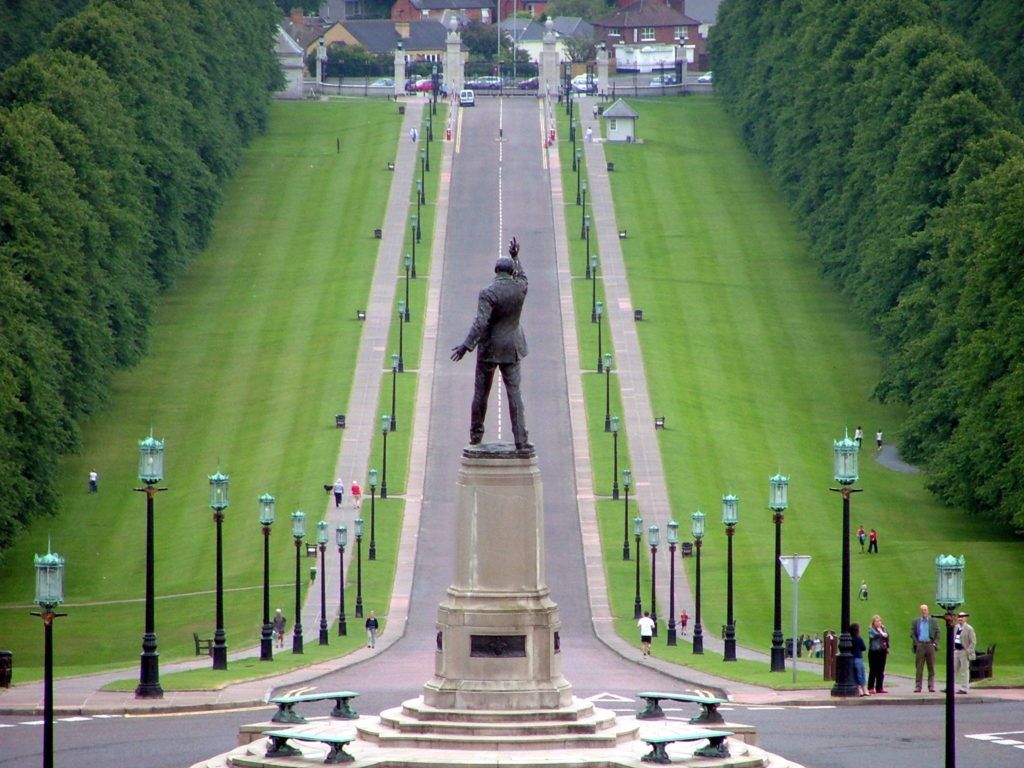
(249, 361)
(758, 365)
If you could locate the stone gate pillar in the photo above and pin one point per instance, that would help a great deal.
(399, 69)
(454, 70)
(548, 62)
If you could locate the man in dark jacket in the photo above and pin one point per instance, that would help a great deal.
(924, 632)
(500, 343)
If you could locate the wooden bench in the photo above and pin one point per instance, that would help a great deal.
(715, 748)
(286, 706)
(279, 746)
(981, 665)
(709, 707)
(203, 647)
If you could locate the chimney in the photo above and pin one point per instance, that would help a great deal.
(297, 18)
(402, 28)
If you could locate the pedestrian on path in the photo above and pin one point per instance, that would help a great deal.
(94, 481)
(858, 659)
(414, 134)
(858, 435)
(684, 619)
(357, 495)
(371, 630)
(873, 541)
(339, 491)
(878, 651)
(646, 625)
(589, 136)
(964, 641)
(279, 623)
(862, 536)
(924, 632)
(878, 440)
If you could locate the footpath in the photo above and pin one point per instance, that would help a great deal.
(83, 695)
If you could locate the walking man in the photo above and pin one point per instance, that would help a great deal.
(924, 631)
(339, 491)
(963, 652)
(500, 344)
(371, 630)
(94, 481)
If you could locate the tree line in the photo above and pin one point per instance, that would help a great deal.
(116, 138)
(902, 156)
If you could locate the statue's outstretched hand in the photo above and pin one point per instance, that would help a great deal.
(459, 352)
(513, 248)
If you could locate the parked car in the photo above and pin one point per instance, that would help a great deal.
(584, 83)
(530, 84)
(707, 77)
(467, 98)
(666, 79)
(485, 83)
(384, 82)
(424, 84)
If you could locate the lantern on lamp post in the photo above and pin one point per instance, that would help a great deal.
(321, 539)
(949, 593)
(151, 472)
(638, 532)
(266, 504)
(653, 539)
(49, 594)
(730, 516)
(697, 531)
(341, 539)
(298, 533)
(359, 567)
(672, 537)
(778, 500)
(845, 464)
(218, 503)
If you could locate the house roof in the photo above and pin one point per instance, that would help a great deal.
(452, 5)
(381, 36)
(705, 11)
(284, 45)
(531, 30)
(620, 109)
(312, 29)
(646, 13)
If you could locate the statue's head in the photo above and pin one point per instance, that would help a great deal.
(504, 264)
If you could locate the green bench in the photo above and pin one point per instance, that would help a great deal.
(203, 647)
(709, 707)
(715, 748)
(279, 746)
(286, 706)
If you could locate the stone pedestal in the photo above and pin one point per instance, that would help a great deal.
(497, 631)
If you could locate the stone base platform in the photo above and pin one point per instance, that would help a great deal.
(448, 753)
(416, 724)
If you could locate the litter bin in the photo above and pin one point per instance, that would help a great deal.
(831, 645)
(339, 421)
(6, 667)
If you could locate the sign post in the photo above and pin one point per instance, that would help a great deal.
(795, 566)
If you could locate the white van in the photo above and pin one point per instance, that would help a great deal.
(467, 99)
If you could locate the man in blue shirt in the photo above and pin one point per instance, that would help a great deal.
(924, 632)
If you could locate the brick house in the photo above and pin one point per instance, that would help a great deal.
(651, 23)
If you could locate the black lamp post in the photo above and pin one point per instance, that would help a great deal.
(585, 235)
(615, 457)
(638, 531)
(592, 264)
(419, 202)
(298, 533)
(654, 538)
(672, 537)
(49, 594)
(412, 224)
(341, 539)
(730, 509)
(266, 520)
(424, 167)
(627, 480)
(372, 554)
(359, 567)
(949, 593)
(401, 336)
(426, 152)
(845, 455)
(435, 87)
(598, 312)
(778, 498)
(584, 217)
(218, 503)
(579, 169)
(321, 539)
(385, 422)
(408, 264)
(697, 531)
(395, 362)
(151, 472)
(572, 138)
(607, 391)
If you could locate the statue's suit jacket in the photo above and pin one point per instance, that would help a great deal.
(496, 328)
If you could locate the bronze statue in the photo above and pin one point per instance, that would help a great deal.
(500, 343)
